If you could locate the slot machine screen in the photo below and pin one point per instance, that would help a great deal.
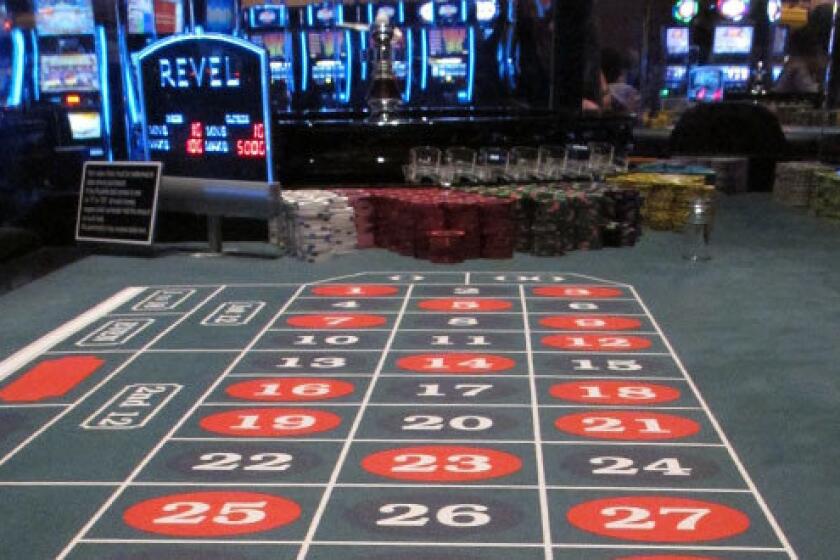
(676, 40)
(277, 45)
(326, 50)
(279, 48)
(448, 53)
(141, 17)
(447, 42)
(85, 126)
(733, 40)
(486, 10)
(705, 84)
(220, 16)
(268, 16)
(780, 39)
(64, 17)
(675, 73)
(69, 72)
(169, 17)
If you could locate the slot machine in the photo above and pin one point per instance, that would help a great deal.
(71, 70)
(326, 79)
(402, 49)
(677, 41)
(12, 57)
(779, 39)
(268, 26)
(447, 53)
(732, 45)
(493, 54)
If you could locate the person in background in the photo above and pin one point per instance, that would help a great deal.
(620, 96)
(804, 70)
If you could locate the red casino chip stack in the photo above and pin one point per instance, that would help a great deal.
(462, 214)
(431, 223)
(446, 246)
(498, 229)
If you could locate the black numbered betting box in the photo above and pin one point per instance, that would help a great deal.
(204, 102)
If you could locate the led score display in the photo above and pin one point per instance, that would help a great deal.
(206, 107)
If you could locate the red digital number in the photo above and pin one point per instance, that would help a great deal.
(196, 130)
(259, 131)
(195, 146)
(250, 148)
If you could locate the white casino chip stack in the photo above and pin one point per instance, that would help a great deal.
(319, 225)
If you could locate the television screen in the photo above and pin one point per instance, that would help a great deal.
(677, 40)
(141, 17)
(64, 17)
(69, 72)
(85, 126)
(733, 40)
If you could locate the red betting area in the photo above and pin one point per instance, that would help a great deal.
(374, 416)
(337, 321)
(442, 464)
(290, 389)
(464, 305)
(590, 323)
(270, 422)
(454, 363)
(627, 425)
(607, 392)
(212, 514)
(659, 519)
(355, 290)
(50, 379)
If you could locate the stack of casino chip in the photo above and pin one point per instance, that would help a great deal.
(667, 198)
(825, 201)
(796, 182)
(498, 229)
(319, 224)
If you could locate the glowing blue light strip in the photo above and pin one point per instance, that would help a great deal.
(128, 82)
(401, 11)
(464, 10)
(409, 62)
(471, 70)
(370, 12)
(304, 61)
(265, 73)
(154, 47)
(264, 69)
(310, 17)
(510, 12)
(36, 70)
(348, 66)
(424, 59)
(18, 60)
(363, 48)
(340, 16)
(105, 88)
